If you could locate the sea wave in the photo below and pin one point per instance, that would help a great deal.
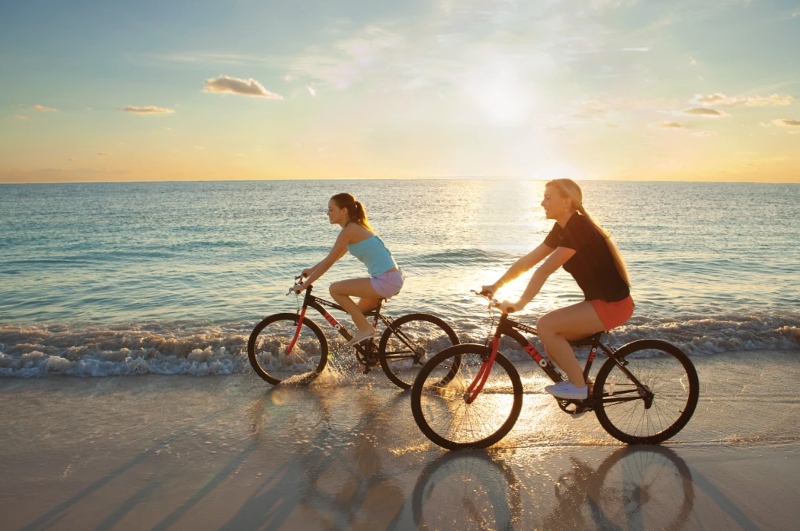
(204, 349)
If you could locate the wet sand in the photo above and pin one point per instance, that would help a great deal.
(152, 452)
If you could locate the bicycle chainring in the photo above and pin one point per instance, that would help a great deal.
(574, 407)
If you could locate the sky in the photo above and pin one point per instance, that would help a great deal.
(95, 90)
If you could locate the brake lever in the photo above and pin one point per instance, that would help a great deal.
(297, 280)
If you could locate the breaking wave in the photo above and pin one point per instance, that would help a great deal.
(204, 349)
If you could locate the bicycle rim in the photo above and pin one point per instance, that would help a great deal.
(667, 373)
(440, 407)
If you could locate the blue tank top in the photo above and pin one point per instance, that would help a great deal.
(374, 254)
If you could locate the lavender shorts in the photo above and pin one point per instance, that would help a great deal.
(388, 284)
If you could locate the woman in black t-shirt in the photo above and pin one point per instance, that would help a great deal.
(588, 254)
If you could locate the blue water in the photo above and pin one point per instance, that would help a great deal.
(116, 278)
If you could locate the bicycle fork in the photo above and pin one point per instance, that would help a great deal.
(477, 384)
(296, 332)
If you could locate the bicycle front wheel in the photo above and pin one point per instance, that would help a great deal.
(657, 409)
(440, 405)
(278, 352)
(410, 341)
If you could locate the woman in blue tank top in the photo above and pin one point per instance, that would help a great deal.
(357, 236)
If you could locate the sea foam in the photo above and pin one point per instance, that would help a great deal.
(203, 349)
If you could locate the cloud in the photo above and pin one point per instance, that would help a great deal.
(211, 58)
(634, 49)
(704, 134)
(103, 154)
(21, 117)
(782, 122)
(312, 91)
(42, 108)
(590, 108)
(151, 109)
(718, 98)
(244, 87)
(670, 125)
(770, 101)
(712, 99)
(704, 111)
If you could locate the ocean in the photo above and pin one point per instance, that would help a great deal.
(170, 278)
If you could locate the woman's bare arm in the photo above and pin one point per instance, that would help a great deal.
(557, 259)
(520, 266)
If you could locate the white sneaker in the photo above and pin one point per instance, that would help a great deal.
(358, 338)
(566, 390)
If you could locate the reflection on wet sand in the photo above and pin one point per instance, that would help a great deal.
(332, 483)
(636, 487)
(229, 453)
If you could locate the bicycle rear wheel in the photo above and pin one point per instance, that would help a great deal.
(410, 341)
(271, 358)
(657, 410)
(439, 398)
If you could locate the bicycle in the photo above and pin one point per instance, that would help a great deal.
(644, 393)
(290, 346)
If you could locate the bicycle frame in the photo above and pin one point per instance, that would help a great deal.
(510, 328)
(319, 304)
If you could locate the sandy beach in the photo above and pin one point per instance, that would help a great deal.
(179, 452)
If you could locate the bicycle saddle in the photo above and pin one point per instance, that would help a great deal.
(586, 341)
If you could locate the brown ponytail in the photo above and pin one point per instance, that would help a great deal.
(355, 209)
(569, 188)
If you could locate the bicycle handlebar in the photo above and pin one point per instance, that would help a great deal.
(493, 303)
(297, 280)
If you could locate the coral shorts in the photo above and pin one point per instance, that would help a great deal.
(613, 314)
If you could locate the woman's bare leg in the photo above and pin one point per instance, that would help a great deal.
(357, 287)
(559, 327)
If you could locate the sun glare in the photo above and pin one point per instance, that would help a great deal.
(496, 90)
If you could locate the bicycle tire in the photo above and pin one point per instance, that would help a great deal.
(441, 411)
(269, 340)
(408, 342)
(667, 372)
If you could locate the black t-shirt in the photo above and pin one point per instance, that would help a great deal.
(592, 266)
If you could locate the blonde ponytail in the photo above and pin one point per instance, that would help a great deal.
(569, 188)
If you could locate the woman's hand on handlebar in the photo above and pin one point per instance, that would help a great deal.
(507, 307)
(489, 290)
(299, 285)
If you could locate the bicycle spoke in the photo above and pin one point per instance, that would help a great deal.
(409, 342)
(443, 412)
(670, 381)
